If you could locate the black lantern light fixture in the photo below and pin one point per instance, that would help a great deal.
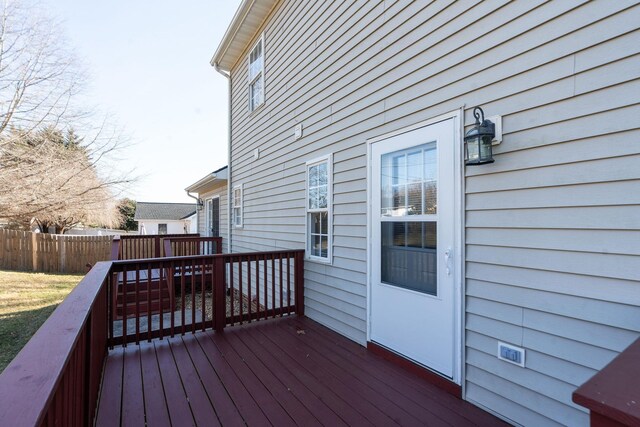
(200, 204)
(477, 142)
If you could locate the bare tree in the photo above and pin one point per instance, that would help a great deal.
(39, 76)
(49, 174)
(52, 179)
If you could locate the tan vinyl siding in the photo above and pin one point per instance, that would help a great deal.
(552, 227)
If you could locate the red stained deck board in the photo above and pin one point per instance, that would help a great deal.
(154, 400)
(223, 405)
(359, 384)
(247, 407)
(324, 393)
(132, 396)
(111, 397)
(431, 396)
(323, 374)
(201, 407)
(262, 396)
(294, 378)
(410, 411)
(382, 372)
(266, 373)
(177, 404)
(284, 395)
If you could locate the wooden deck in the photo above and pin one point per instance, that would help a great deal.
(289, 371)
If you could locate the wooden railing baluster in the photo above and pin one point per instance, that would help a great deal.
(240, 286)
(149, 318)
(124, 305)
(161, 314)
(280, 277)
(203, 282)
(249, 300)
(137, 306)
(182, 297)
(232, 285)
(172, 297)
(193, 295)
(288, 284)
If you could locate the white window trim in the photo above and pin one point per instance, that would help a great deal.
(329, 259)
(241, 206)
(259, 76)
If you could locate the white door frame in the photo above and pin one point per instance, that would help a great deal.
(458, 256)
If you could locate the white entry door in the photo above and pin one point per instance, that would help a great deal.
(413, 245)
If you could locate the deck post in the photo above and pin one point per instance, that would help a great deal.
(167, 247)
(299, 282)
(157, 247)
(220, 294)
(115, 249)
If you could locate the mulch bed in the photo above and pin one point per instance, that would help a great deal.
(237, 300)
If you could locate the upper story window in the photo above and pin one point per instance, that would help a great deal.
(319, 215)
(237, 206)
(256, 75)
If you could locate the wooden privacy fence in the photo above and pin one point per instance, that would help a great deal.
(51, 253)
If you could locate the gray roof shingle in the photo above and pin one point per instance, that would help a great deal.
(167, 211)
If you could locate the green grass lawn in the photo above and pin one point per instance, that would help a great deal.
(26, 301)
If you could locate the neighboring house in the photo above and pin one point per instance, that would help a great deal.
(212, 197)
(164, 218)
(347, 121)
(193, 223)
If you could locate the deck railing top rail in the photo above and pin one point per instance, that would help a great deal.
(613, 394)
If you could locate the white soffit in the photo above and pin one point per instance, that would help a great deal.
(246, 22)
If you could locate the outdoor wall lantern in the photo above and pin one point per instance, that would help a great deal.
(477, 142)
(200, 204)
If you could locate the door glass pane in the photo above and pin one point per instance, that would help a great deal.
(408, 255)
(408, 182)
(430, 181)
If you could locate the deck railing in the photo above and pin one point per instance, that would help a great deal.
(192, 245)
(55, 379)
(168, 296)
(141, 246)
(613, 394)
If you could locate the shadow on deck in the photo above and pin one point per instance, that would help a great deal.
(286, 371)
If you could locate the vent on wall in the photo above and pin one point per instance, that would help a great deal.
(511, 354)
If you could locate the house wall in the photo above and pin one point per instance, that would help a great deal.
(173, 227)
(552, 227)
(217, 191)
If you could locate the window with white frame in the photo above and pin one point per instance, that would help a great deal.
(162, 228)
(319, 215)
(256, 75)
(237, 206)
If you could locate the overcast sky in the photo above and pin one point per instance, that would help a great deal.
(148, 62)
